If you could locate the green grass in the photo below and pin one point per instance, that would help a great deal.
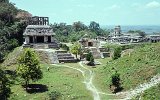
(138, 67)
(150, 94)
(64, 80)
(12, 57)
(135, 68)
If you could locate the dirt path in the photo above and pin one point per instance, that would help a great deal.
(89, 84)
(88, 77)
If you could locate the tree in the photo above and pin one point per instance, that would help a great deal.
(94, 26)
(117, 52)
(29, 67)
(6, 1)
(79, 26)
(4, 86)
(76, 49)
(143, 34)
(90, 58)
(116, 82)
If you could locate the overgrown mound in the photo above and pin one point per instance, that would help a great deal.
(135, 68)
(12, 57)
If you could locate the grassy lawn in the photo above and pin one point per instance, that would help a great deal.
(66, 81)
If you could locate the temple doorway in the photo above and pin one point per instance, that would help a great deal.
(40, 39)
(90, 44)
(49, 39)
(31, 39)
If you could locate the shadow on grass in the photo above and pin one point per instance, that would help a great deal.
(118, 90)
(115, 89)
(36, 88)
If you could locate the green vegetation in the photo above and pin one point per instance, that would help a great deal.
(90, 58)
(11, 28)
(116, 82)
(72, 33)
(135, 68)
(67, 83)
(4, 86)
(150, 94)
(29, 67)
(64, 47)
(140, 33)
(117, 52)
(76, 49)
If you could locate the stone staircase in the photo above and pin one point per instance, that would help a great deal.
(104, 52)
(64, 56)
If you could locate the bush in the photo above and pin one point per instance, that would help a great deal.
(117, 53)
(54, 95)
(90, 58)
(4, 86)
(64, 46)
(116, 82)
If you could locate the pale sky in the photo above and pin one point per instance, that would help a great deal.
(105, 12)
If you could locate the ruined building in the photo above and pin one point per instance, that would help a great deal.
(39, 34)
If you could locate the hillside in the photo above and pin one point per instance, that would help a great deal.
(135, 68)
(150, 94)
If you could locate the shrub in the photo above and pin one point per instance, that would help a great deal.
(64, 46)
(4, 86)
(117, 53)
(54, 95)
(116, 82)
(90, 58)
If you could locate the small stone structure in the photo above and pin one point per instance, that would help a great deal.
(39, 34)
(93, 45)
(85, 42)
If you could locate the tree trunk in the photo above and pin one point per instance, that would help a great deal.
(26, 83)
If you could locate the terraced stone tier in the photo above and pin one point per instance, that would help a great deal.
(68, 60)
(65, 57)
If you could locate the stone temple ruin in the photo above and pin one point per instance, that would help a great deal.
(124, 38)
(39, 34)
(93, 45)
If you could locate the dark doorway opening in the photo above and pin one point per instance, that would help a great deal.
(49, 39)
(31, 39)
(90, 44)
(40, 39)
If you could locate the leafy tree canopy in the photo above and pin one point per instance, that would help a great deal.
(29, 66)
(4, 85)
(76, 49)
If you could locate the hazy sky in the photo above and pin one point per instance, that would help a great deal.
(105, 12)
